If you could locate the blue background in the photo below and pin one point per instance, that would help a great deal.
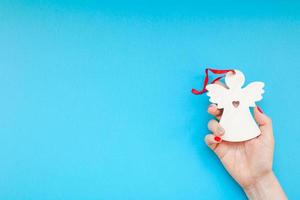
(95, 95)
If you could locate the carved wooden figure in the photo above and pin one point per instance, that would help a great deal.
(235, 101)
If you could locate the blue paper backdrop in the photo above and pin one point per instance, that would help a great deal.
(95, 95)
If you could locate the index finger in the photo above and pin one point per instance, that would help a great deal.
(213, 110)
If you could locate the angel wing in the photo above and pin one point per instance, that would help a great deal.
(217, 94)
(253, 92)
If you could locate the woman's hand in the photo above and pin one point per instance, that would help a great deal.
(248, 162)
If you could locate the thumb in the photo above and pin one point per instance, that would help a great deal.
(264, 122)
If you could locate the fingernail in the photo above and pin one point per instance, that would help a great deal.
(259, 109)
(217, 138)
(221, 130)
(211, 106)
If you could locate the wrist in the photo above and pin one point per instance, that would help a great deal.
(261, 181)
(265, 187)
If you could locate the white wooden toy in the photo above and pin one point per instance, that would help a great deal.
(235, 101)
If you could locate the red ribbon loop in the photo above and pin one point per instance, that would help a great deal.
(214, 71)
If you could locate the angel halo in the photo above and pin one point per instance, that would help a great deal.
(235, 101)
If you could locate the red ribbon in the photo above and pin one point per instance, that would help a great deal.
(214, 71)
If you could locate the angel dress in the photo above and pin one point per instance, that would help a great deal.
(235, 101)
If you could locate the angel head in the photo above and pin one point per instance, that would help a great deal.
(233, 92)
(235, 80)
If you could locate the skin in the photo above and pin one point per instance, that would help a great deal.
(249, 162)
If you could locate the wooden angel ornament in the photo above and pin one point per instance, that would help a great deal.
(237, 120)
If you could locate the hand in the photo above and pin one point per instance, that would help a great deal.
(248, 162)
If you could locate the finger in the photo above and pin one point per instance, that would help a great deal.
(212, 141)
(264, 122)
(215, 127)
(213, 110)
